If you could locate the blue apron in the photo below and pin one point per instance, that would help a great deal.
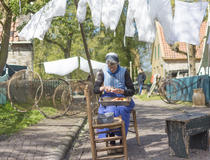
(116, 80)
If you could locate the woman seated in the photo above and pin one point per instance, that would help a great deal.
(114, 81)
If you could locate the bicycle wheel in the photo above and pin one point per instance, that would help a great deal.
(61, 100)
(168, 91)
(22, 90)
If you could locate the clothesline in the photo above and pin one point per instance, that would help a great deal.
(176, 29)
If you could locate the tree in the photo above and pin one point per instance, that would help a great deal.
(10, 10)
(6, 25)
(65, 34)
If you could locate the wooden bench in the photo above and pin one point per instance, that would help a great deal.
(189, 130)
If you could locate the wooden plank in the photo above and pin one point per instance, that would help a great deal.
(202, 122)
(186, 117)
(108, 125)
(200, 141)
(109, 131)
(178, 142)
(107, 139)
(111, 157)
(109, 148)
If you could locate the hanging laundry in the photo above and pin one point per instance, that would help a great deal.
(95, 7)
(61, 67)
(107, 11)
(95, 65)
(187, 21)
(40, 22)
(208, 42)
(129, 27)
(144, 22)
(144, 13)
(111, 12)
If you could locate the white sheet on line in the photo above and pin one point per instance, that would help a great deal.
(145, 14)
(61, 67)
(106, 11)
(95, 7)
(187, 21)
(95, 65)
(111, 12)
(40, 22)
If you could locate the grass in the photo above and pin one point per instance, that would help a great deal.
(184, 103)
(12, 121)
(144, 97)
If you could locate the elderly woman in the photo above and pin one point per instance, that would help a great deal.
(115, 81)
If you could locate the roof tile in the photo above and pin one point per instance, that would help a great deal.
(169, 54)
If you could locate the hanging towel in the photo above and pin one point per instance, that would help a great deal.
(144, 22)
(111, 12)
(107, 11)
(41, 20)
(95, 65)
(129, 26)
(61, 67)
(163, 13)
(95, 7)
(187, 21)
(144, 14)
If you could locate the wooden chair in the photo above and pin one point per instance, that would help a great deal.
(99, 145)
(133, 123)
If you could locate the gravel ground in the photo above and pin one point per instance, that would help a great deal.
(154, 141)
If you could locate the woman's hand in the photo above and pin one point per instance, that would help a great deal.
(117, 91)
(105, 88)
(111, 89)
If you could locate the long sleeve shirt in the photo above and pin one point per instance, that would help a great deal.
(129, 91)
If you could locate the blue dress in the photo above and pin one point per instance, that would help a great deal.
(116, 80)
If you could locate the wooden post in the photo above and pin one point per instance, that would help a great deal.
(208, 53)
(135, 126)
(86, 48)
(131, 69)
(91, 130)
(191, 59)
(124, 140)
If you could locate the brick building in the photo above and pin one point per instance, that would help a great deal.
(20, 50)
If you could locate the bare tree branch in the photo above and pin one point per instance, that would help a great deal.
(2, 24)
(175, 47)
(55, 42)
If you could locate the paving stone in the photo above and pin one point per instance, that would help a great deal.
(48, 140)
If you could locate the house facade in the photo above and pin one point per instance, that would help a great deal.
(167, 62)
(20, 51)
(204, 68)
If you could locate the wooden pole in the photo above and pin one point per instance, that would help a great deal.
(86, 48)
(208, 53)
(131, 69)
(91, 130)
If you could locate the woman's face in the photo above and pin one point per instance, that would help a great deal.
(112, 67)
